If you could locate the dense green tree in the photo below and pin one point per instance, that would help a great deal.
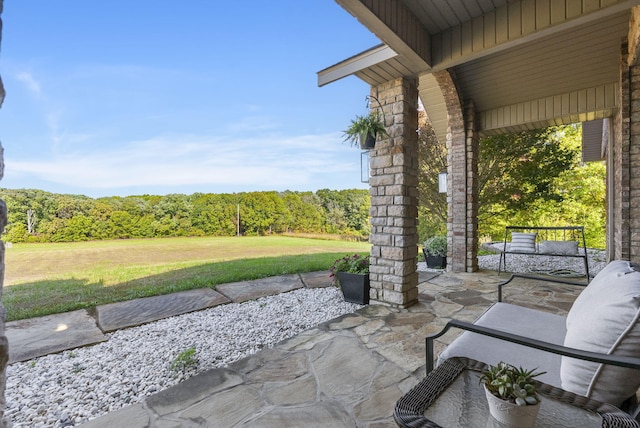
(304, 211)
(432, 205)
(529, 178)
(518, 170)
(36, 215)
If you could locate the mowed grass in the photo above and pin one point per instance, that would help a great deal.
(43, 279)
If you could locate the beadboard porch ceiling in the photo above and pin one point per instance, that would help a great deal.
(523, 63)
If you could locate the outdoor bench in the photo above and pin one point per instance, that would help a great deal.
(558, 241)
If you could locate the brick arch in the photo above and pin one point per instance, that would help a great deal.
(462, 173)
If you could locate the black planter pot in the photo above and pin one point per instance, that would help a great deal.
(355, 287)
(434, 262)
(367, 142)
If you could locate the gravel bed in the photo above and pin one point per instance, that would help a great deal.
(565, 267)
(554, 265)
(74, 386)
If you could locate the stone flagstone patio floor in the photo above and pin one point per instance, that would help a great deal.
(344, 373)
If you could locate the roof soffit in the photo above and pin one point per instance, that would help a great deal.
(474, 35)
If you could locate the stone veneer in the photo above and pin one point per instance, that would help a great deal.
(4, 344)
(462, 178)
(633, 169)
(624, 239)
(394, 196)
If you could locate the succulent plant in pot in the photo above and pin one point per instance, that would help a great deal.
(511, 393)
(364, 130)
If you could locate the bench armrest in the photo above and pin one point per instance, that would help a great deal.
(629, 362)
(537, 278)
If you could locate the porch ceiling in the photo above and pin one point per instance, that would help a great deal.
(524, 63)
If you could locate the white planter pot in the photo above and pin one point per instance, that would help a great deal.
(511, 414)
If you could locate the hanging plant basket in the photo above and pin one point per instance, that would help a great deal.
(364, 130)
(367, 141)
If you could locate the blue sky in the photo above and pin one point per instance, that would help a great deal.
(151, 96)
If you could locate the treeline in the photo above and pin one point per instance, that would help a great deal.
(39, 216)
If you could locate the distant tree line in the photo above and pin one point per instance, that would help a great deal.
(39, 216)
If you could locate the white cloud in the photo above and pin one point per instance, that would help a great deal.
(30, 82)
(270, 162)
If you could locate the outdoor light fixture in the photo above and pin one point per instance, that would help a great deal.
(365, 168)
(442, 182)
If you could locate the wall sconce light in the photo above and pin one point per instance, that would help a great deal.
(365, 167)
(442, 182)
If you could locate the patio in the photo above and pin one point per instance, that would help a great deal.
(347, 372)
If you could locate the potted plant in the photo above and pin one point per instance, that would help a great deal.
(351, 274)
(435, 252)
(511, 394)
(364, 130)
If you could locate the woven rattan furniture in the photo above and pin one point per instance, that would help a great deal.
(452, 396)
(591, 352)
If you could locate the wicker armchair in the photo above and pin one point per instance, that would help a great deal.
(591, 352)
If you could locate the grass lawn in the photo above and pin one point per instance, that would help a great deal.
(42, 279)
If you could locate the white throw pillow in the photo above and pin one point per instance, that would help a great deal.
(604, 318)
(523, 242)
(568, 248)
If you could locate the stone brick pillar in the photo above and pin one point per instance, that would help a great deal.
(472, 148)
(4, 345)
(394, 196)
(623, 242)
(462, 177)
(630, 162)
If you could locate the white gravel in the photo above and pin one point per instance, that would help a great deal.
(558, 265)
(565, 267)
(72, 387)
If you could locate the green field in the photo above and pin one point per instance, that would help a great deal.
(42, 279)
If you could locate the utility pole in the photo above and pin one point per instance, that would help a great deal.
(238, 220)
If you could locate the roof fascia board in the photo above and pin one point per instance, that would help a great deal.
(355, 64)
(394, 24)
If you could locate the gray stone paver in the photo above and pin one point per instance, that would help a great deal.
(344, 373)
(250, 290)
(116, 316)
(134, 416)
(34, 337)
(316, 279)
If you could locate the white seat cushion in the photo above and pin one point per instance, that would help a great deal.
(604, 318)
(517, 320)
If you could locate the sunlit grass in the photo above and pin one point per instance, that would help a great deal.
(52, 278)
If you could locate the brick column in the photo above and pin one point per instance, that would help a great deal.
(4, 344)
(472, 148)
(462, 176)
(631, 167)
(394, 197)
(626, 132)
